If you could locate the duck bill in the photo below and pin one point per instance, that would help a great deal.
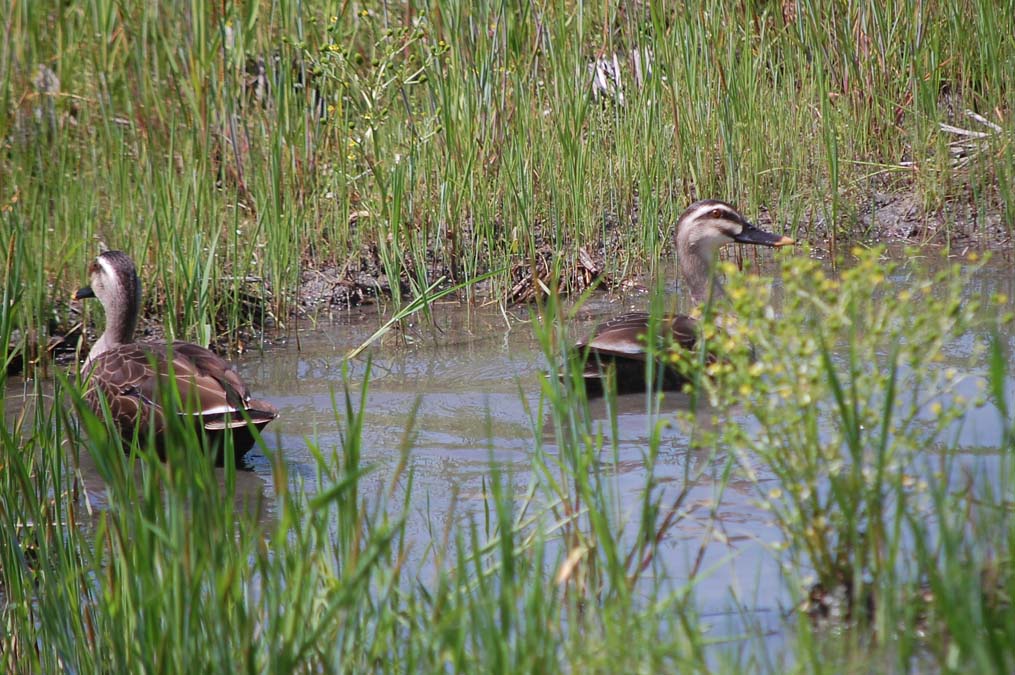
(755, 235)
(83, 293)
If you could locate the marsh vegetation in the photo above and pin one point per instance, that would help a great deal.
(268, 164)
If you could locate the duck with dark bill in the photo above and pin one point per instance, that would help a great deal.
(132, 377)
(618, 345)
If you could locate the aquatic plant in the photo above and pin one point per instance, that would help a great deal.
(845, 410)
(234, 149)
(842, 417)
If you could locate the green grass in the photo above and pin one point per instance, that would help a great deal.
(323, 585)
(909, 537)
(889, 523)
(462, 138)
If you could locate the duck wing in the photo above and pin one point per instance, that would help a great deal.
(222, 396)
(124, 377)
(624, 336)
(130, 376)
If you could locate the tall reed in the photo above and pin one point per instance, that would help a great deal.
(454, 139)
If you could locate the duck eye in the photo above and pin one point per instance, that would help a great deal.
(716, 213)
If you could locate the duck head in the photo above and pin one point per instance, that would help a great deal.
(114, 281)
(705, 227)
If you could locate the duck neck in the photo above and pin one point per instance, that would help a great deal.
(698, 271)
(121, 321)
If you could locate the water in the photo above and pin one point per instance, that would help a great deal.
(476, 378)
(473, 378)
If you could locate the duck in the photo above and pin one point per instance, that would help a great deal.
(618, 345)
(129, 374)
